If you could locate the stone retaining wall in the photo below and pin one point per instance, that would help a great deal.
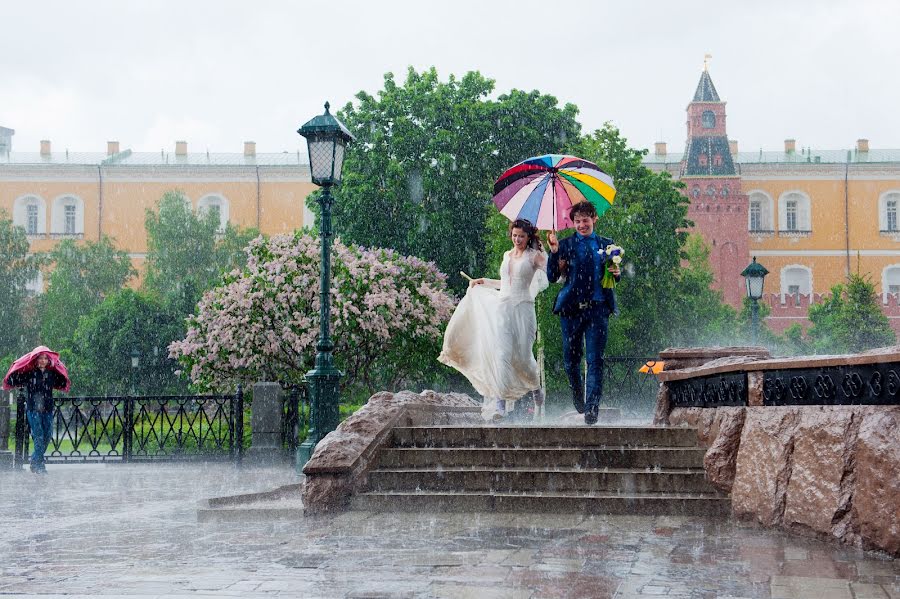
(829, 471)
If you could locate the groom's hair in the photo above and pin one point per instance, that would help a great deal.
(583, 208)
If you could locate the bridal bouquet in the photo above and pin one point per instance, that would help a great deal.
(614, 255)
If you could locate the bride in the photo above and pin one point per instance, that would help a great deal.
(489, 339)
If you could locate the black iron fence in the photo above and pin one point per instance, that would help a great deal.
(133, 429)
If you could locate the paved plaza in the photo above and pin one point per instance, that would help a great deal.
(132, 530)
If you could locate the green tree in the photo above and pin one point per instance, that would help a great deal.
(419, 177)
(850, 319)
(17, 267)
(100, 361)
(187, 253)
(83, 275)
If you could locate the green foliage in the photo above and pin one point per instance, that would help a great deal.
(186, 253)
(83, 274)
(17, 267)
(850, 319)
(420, 175)
(103, 342)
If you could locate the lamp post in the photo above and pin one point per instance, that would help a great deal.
(326, 139)
(135, 364)
(755, 277)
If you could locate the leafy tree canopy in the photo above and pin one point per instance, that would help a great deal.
(17, 267)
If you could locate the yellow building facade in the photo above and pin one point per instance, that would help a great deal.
(70, 195)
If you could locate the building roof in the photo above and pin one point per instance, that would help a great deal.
(804, 156)
(710, 147)
(129, 158)
(706, 91)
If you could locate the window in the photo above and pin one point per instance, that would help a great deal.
(755, 216)
(760, 211)
(709, 119)
(717, 160)
(67, 217)
(35, 285)
(796, 281)
(711, 191)
(30, 214)
(794, 213)
(702, 160)
(31, 219)
(790, 221)
(217, 205)
(887, 212)
(695, 192)
(726, 191)
(890, 282)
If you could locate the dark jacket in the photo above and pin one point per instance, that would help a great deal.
(38, 386)
(581, 278)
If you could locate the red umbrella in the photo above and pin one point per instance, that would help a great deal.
(27, 363)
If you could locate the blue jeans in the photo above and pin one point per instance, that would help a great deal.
(41, 424)
(585, 332)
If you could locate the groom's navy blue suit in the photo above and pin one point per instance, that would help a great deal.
(584, 307)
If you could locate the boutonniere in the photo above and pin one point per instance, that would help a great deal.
(614, 254)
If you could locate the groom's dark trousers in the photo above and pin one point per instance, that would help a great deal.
(585, 332)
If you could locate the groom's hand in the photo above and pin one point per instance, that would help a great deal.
(614, 270)
(474, 282)
(553, 242)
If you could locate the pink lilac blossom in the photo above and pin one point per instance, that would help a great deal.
(388, 316)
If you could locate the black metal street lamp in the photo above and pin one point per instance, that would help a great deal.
(755, 276)
(326, 138)
(135, 364)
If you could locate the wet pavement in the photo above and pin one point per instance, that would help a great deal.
(132, 530)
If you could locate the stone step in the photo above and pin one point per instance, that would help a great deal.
(6, 460)
(569, 457)
(543, 436)
(553, 480)
(696, 504)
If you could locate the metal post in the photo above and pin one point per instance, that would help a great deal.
(128, 427)
(237, 414)
(21, 432)
(324, 379)
(754, 320)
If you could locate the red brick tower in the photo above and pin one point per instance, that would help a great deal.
(718, 206)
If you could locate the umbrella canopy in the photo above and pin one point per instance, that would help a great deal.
(542, 189)
(27, 363)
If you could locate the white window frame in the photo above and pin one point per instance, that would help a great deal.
(20, 213)
(803, 219)
(766, 205)
(215, 199)
(892, 195)
(887, 280)
(787, 282)
(58, 216)
(35, 285)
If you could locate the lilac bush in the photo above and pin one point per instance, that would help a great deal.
(388, 313)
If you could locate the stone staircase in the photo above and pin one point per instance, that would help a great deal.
(595, 470)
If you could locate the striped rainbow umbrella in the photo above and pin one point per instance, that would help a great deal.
(543, 188)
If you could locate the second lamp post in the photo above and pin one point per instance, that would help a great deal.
(755, 276)
(326, 138)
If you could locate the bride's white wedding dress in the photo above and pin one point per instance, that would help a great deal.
(490, 337)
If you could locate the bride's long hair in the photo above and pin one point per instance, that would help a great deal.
(534, 241)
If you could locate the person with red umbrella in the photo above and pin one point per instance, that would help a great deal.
(39, 372)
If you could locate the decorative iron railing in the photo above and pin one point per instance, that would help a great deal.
(152, 428)
(295, 417)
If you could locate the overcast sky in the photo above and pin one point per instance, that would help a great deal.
(221, 72)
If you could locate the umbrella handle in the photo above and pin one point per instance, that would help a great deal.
(465, 276)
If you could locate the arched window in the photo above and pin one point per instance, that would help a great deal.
(35, 285)
(726, 191)
(709, 119)
(889, 212)
(695, 192)
(760, 213)
(30, 213)
(702, 160)
(711, 191)
(217, 204)
(67, 217)
(890, 282)
(793, 213)
(796, 280)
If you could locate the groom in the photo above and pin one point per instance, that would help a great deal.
(583, 304)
